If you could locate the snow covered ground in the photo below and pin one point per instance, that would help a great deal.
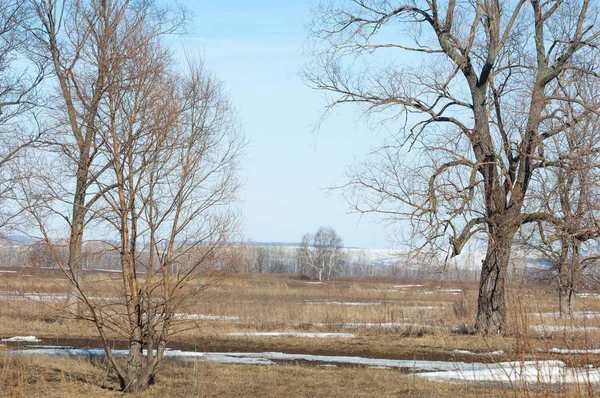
(518, 373)
(23, 339)
(513, 373)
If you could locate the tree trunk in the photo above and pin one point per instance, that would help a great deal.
(139, 372)
(563, 278)
(564, 301)
(491, 311)
(76, 244)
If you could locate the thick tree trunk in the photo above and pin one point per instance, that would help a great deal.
(491, 311)
(564, 301)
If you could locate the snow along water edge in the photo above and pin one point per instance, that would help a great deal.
(529, 372)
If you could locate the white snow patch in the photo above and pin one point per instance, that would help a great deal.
(491, 353)
(589, 295)
(407, 286)
(8, 272)
(456, 291)
(509, 372)
(528, 372)
(25, 339)
(351, 303)
(204, 317)
(573, 351)
(295, 334)
(314, 283)
(576, 314)
(555, 328)
(428, 292)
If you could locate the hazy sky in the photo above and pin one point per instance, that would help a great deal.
(255, 47)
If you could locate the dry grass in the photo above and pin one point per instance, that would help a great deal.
(426, 315)
(67, 377)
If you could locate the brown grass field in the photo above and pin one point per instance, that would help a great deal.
(428, 322)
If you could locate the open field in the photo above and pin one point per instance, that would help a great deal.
(247, 316)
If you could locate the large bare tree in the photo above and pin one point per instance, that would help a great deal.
(86, 42)
(172, 144)
(476, 90)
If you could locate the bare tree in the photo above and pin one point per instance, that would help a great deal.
(569, 193)
(85, 40)
(477, 90)
(21, 73)
(170, 144)
(320, 255)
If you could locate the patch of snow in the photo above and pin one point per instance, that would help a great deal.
(451, 290)
(509, 372)
(491, 353)
(24, 339)
(294, 334)
(428, 292)
(204, 317)
(576, 314)
(406, 286)
(314, 283)
(528, 372)
(572, 351)
(351, 303)
(589, 295)
(8, 272)
(555, 328)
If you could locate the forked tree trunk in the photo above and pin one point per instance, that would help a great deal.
(139, 373)
(491, 311)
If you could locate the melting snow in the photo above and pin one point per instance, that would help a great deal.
(203, 317)
(509, 372)
(555, 328)
(576, 314)
(572, 351)
(343, 303)
(27, 339)
(295, 334)
(530, 372)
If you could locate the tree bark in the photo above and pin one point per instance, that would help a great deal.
(491, 310)
(76, 242)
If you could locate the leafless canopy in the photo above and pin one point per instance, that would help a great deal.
(478, 91)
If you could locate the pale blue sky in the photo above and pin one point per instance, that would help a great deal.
(256, 49)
